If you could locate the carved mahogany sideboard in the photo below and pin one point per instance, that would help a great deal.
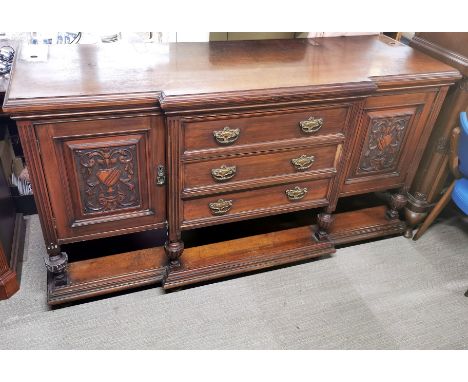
(193, 135)
(433, 172)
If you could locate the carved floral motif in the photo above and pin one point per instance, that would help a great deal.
(383, 144)
(108, 178)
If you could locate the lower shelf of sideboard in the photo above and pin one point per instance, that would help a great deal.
(247, 254)
(212, 261)
(94, 277)
(364, 224)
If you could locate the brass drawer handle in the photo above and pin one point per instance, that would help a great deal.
(296, 193)
(304, 162)
(224, 172)
(312, 125)
(226, 135)
(220, 207)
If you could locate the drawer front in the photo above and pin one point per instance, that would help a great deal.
(221, 131)
(234, 169)
(238, 205)
(101, 175)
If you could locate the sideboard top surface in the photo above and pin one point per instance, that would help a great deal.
(82, 72)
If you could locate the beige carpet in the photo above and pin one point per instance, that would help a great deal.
(388, 294)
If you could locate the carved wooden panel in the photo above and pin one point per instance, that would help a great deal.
(383, 143)
(102, 175)
(108, 178)
(388, 141)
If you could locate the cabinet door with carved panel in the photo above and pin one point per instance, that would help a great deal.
(388, 142)
(102, 175)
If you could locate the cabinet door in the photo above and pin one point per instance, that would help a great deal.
(102, 175)
(387, 142)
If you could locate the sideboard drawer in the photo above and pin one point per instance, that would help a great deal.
(238, 205)
(243, 168)
(215, 132)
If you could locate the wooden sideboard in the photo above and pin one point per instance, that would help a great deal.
(433, 172)
(128, 138)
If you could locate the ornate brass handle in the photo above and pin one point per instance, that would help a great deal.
(220, 207)
(224, 172)
(303, 162)
(312, 125)
(296, 193)
(226, 135)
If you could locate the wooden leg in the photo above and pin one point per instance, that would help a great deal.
(57, 265)
(397, 202)
(415, 211)
(174, 251)
(174, 247)
(435, 211)
(324, 222)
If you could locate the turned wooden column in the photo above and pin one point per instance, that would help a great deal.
(396, 202)
(324, 222)
(174, 245)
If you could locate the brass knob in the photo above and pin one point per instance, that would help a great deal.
(304, 162)
(220, 207)
(223, 173)
(312, 125)
(296, 193)
(226, 135)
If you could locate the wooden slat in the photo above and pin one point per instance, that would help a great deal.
(232, 257)
(122, 263)
(237, 249)
(364, 224)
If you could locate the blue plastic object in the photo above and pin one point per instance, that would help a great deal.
(463, 145)
(460, 192)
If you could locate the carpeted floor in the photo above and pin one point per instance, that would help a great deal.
(388, 294)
